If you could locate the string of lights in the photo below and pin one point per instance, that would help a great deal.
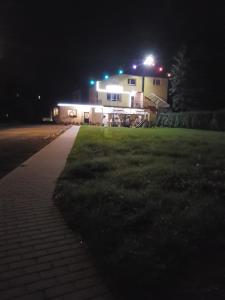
(149, 61)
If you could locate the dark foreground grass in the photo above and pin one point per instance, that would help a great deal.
(150, 204)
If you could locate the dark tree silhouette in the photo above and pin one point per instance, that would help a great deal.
(197, 81)
(180, 90)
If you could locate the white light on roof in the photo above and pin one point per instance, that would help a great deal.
(149, 61)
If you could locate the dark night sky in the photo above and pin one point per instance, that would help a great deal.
(54, 47)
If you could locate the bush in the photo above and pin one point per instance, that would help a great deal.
(193, 119)
(218, 120)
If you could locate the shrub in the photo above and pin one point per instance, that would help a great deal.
(193, 119)
(218, 120)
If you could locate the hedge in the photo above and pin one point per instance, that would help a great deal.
(211, 120)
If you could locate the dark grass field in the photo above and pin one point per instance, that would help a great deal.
(18, 143)
(150, 203)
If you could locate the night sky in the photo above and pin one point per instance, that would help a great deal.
(54, 47)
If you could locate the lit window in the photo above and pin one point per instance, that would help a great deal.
(156, 82)
(131, 81)
(72, 113)
(55, 111)
(113, 97)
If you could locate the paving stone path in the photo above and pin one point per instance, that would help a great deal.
(40, 258)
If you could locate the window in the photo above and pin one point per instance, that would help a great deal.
(55, 111)
(72, 113)
(131, 81)
(113, 97)
(156, 82)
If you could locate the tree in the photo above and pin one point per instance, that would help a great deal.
(196, 81)
(180, 90)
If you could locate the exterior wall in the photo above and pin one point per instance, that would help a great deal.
(138, 100)
(121, 80)
(160, 90)
(93, 96)
(96, 117)
(123, 102)
(63, 116)
(125, 98)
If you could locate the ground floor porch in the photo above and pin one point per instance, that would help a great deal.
(65, 113)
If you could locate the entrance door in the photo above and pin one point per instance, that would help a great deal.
(86, 117)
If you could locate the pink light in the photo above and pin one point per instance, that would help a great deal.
(160, 69)
(169, 74)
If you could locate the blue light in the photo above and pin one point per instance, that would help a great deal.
(106, 76)
(120, 71)
(92, 82)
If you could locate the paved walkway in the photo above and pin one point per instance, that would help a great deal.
(40, 258)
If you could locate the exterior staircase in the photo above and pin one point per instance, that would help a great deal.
(140, 124)
(157, 101)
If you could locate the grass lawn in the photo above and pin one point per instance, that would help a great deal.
(150, 203)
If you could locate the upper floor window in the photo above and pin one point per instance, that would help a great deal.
(156, 81)
(113, 97)
(131, 81)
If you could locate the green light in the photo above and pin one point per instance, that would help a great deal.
(92, 82)
(106, 76)
(120, 71)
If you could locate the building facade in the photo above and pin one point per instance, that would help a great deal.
(130, 91)
(121, 100)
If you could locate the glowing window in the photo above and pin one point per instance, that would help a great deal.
(55, 111)
(72, 113)
(113, 97)
(156, 82)
(131, 81)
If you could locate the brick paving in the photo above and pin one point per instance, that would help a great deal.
(40, 258)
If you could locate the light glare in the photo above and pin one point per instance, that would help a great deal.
(149, 61)
(99, 89)
(113, 88)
